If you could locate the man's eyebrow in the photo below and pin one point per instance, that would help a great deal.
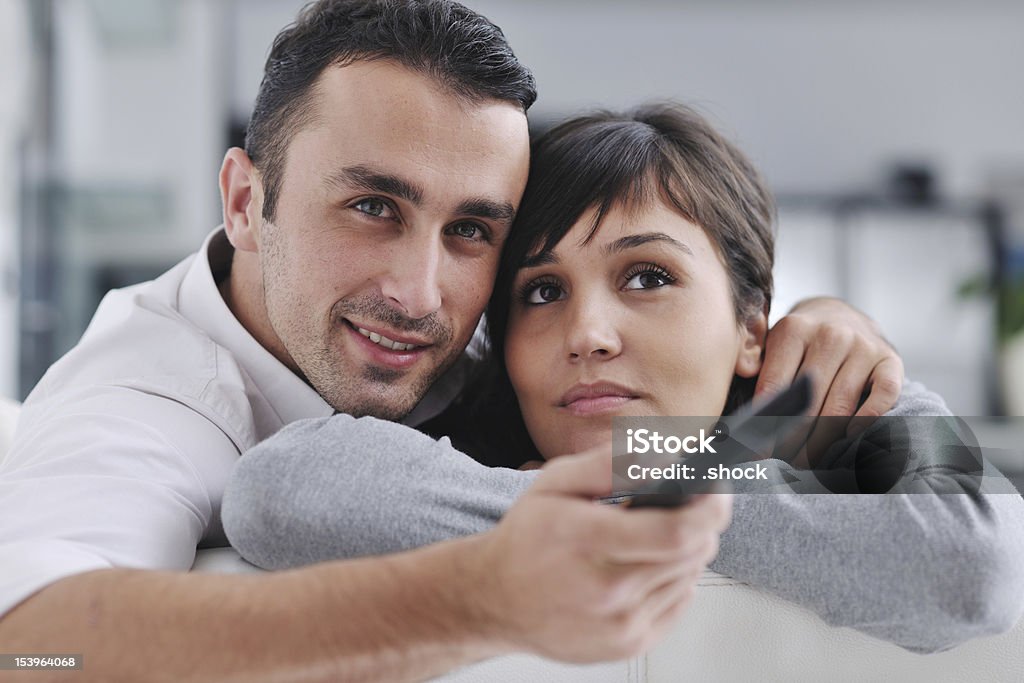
(502, 212)
(370, 180)
(631, 241)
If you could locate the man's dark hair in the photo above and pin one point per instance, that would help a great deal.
(461, 50)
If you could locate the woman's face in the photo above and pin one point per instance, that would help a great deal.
(639, 321)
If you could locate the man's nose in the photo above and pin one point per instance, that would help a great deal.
(592, 332)
(413, 281)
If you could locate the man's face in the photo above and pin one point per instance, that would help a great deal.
(393, 209)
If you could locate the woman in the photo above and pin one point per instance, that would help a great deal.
(637, 283)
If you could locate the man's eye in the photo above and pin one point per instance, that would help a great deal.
(372, 206)
(544, 293)
(469, 231)
(648, 277)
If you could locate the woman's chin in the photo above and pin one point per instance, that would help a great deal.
(576, 434)
(578, 440)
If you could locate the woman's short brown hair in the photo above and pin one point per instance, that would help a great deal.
(658, 152)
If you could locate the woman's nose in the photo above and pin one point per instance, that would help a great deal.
(592, 331)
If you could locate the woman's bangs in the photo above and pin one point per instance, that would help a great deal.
(613, 165)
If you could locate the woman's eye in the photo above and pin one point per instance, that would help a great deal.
(648, 279)
(544, 294)
(372, 206)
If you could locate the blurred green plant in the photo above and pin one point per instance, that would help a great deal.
(1008, 297)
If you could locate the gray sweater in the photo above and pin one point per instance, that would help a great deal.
(926, 572)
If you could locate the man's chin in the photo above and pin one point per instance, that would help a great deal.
(373, 390)
(379, 410)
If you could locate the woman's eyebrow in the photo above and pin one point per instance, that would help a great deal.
(632, 241)
(544, 258)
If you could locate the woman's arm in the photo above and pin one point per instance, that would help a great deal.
(926, 571)
(343, 487)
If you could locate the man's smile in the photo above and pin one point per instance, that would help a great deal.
(395, 341)
(379, 349)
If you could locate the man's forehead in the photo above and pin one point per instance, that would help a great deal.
(382, 88)
(379, 121)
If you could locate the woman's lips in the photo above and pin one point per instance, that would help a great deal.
(594, 399)
(594, 406)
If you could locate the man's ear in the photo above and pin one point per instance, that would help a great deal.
(242, 196)
(753, 333)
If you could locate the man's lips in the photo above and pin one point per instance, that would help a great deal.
(589, 399)
(383, 349)
(394, 341)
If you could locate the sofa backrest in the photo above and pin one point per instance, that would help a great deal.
(733, 632)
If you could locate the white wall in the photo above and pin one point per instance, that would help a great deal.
(821, 94)
(140, 124)
(145, 114)
(13, 112)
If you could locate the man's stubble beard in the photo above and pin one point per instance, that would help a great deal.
(373, 392)
(369, 393)
(319, 360)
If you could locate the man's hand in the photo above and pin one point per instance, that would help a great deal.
(844, 352)
(570, 579)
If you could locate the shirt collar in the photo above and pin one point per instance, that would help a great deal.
(200, 301)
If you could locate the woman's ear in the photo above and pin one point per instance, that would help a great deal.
(242, 196)
(753, 333)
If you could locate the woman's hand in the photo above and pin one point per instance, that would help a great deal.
(844, 352)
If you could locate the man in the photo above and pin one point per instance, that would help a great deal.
(386, 156)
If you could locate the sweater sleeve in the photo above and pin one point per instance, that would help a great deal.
(343, 487)
(926, 571)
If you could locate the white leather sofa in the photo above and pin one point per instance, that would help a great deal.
(731, 633)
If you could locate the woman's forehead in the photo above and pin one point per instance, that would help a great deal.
(594, 229)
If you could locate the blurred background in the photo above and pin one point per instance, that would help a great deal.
(892, 132)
